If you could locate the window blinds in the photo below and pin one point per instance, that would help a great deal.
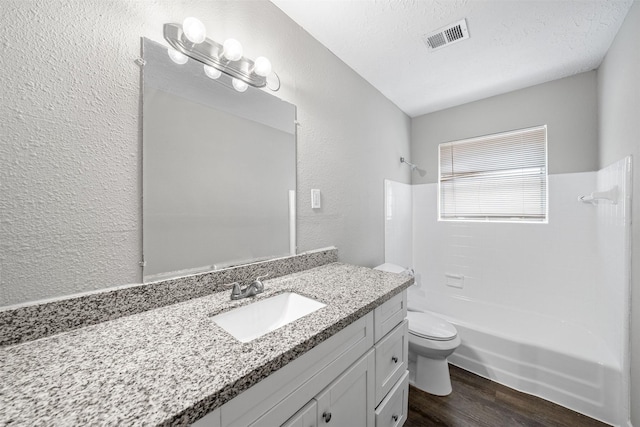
(500, 177)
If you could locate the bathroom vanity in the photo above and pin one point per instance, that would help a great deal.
(358, 377)
(344, 364)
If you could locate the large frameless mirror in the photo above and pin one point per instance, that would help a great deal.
(219, 170)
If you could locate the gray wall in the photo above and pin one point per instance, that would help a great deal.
(70, 153)
(619, 120)
(568, 106)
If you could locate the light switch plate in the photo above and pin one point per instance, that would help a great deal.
(315, 199)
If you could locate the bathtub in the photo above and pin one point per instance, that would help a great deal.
(543, 356)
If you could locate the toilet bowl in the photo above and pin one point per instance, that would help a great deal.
(431, 341)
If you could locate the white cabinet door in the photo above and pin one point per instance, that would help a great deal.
(305, 417)
(349, 400)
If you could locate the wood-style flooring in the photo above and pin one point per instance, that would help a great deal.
(478, 402)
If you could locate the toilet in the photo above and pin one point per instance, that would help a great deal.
(431, 341)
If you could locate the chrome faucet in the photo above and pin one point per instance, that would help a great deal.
(255, 288)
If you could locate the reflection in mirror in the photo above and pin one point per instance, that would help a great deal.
(219, 170)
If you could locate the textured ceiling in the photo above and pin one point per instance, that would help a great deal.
(513, 44)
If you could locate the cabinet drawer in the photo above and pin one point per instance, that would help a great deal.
(389, 314)
(391, 359)
(392, 412)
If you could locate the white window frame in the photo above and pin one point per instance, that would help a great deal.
(498, 219)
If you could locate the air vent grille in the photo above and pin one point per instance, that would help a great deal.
(436, 40)
(454, 33)
(447, 35)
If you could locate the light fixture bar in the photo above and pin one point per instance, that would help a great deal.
(211, 53)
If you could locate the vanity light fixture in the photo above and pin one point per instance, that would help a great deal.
(190, 40)
(177, 57)
(231, 49)
(194, 30)
(239, 85)
(212, 73)
(262, 66)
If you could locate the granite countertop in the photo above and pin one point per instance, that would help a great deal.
(172, 365)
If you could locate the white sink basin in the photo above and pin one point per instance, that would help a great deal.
(251, 321)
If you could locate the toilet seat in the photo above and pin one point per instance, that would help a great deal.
(428, 326)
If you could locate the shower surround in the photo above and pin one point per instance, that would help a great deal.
(542, 308)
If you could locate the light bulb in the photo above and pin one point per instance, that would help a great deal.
(194, 30)
(211, 72)
(262, 66)
(177, 57)
(239, 85)
(232, 49)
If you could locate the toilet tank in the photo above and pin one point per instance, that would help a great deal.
(391, 268)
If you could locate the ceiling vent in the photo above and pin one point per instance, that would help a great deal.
(446, 36)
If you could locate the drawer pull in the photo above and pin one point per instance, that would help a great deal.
(394, 359)
(394, 418)
(326, 416)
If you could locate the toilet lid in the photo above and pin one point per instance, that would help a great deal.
(428, 326)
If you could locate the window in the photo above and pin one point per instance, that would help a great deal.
(500, 177)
